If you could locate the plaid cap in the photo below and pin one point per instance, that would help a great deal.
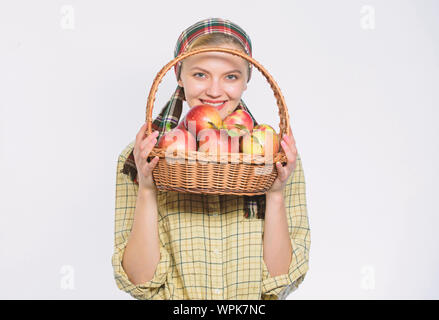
(170, 114)
(209, 26)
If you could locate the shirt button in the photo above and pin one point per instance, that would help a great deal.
(216, 251)
(217, 291)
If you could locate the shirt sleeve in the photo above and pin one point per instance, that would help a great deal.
(279, 287)
(126, 197)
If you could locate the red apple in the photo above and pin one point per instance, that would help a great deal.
(238, 123)
(214, 141)
(178, 139)
(263, 140)
(202, 117)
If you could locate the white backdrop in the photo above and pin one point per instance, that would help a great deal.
(361, 83)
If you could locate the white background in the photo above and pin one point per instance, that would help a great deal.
(360, 79)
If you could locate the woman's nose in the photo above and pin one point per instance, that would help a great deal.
(214, 89)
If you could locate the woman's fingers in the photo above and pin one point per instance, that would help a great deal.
(291, 142)
(150, 165)
(147, 146)
(143, 147)
(282, 172)
(290, 151)
(146, 166)
(291, 135)
(141, 140)
(149, 139)
(140, 135)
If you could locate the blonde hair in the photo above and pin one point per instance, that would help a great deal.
(215, 40)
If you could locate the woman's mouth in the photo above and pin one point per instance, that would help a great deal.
(218, 105)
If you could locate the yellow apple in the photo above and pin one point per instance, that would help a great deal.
(260, 141)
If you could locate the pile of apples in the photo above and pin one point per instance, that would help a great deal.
(203, 130)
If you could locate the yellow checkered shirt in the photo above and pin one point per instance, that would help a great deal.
(208, 248)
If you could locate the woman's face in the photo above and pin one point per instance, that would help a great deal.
(215, 78)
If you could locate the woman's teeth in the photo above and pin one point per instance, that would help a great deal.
(214, 104)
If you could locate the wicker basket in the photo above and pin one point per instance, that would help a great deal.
(232, 173)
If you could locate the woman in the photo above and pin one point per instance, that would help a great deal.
(171, 245)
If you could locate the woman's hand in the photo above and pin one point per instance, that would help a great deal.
(283, 172)
(142, 148)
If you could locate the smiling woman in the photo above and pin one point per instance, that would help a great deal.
(177, 245)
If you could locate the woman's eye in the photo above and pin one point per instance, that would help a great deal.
(202, 75)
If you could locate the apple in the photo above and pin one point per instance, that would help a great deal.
(260, 140)
(217, 141)
(238, 123)
(177, 139)
(202, 117)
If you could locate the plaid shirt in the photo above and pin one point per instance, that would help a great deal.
(209, 249)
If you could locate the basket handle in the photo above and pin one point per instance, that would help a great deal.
(284, 123)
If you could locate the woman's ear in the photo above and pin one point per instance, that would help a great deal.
(179, 81)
